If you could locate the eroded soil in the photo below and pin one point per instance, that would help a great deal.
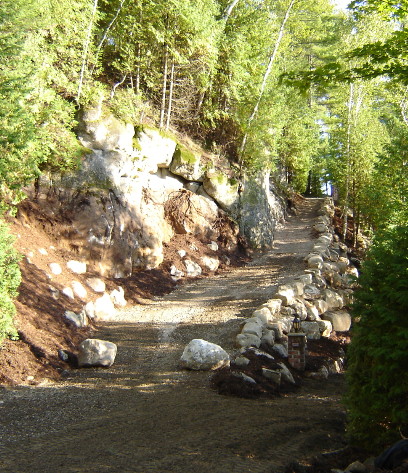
(144, 414)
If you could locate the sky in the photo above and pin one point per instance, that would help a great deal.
(341, 3)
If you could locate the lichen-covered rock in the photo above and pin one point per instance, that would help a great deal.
(94, 352)
(202, 355)
(222, 189)
(187, 164)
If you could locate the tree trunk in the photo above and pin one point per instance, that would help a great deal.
(86, 48)
(228, 10)
(164, 85)
(272, 58)
(348, 162)
(170, 101)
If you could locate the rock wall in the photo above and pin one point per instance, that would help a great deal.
(136, 188)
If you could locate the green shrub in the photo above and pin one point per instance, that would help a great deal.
(377, 396)
(10, 279)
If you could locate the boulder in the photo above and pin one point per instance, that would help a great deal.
(202, 355)
(193, 269)
(118, 297)
(315, 261)
(79, 290)
(210, 263)
(155, 150)
(268, 337)
(79, 320)
(67, 291)
(274, 305)
(94, 352)
(334, 300)
(248, 340)
(104, 309)
(264, 315)
(77, 267)
(222, 189)
(55, 268)
(253, 328)
(325, 327)
(274, 375)
(280, 350)
(241, 361)
(96, 284)
(187, 164)
(286, 375)
(286, 294)
(311, 329)
(340, 320)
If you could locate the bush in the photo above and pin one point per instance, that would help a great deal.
(10, 279)
(377, 396)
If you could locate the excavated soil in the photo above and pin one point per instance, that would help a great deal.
(145, 414)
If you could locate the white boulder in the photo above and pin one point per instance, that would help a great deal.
(94, 352)
(202, 355)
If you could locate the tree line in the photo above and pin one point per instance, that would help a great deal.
(314, 95)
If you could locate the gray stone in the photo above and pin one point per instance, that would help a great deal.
(286, 375)
(193, 269)
(241, 361)
(188, 165)
(274, 375)
(202, 355)
(79, 320)
(94, 352)
(311, 329)
(248, 340)
(221, 189)
(315, 261)
(280, 350)
(325, 327)
(252, 328)
(268, 337)
(156, 150)
(340, 320)
(334, 300)
(356, 467)
(244, 377)
(274, 305)
(213, 246)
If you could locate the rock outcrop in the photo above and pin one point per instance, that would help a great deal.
(136, 188)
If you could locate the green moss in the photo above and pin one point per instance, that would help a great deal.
(185, 156)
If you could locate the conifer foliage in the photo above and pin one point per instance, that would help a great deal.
(377, 395)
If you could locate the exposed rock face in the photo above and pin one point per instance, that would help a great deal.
(260, 210)
(136, 189)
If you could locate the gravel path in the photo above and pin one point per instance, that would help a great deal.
(144, 414)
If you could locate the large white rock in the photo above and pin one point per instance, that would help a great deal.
(94, 352)
(264, 315)
(286, 294)
(210, 263)
(315, 262)
(156, 150)
(202, 355)
(118, 297)
(96, 284)
(104, 309)
(325, 327)
(334, 300)
(77, 267)
(193, 269)
(340, 319)
(274, 305)
(55, 268)
(79, 290)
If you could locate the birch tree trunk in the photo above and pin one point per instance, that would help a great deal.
(348, 161)
(268, 71)
(170, 99)
(164, 85)
(228, 10)
(86, 49)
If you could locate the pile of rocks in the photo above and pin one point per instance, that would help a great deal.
(318, 297)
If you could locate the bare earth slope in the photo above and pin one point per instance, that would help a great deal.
(144, 414)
